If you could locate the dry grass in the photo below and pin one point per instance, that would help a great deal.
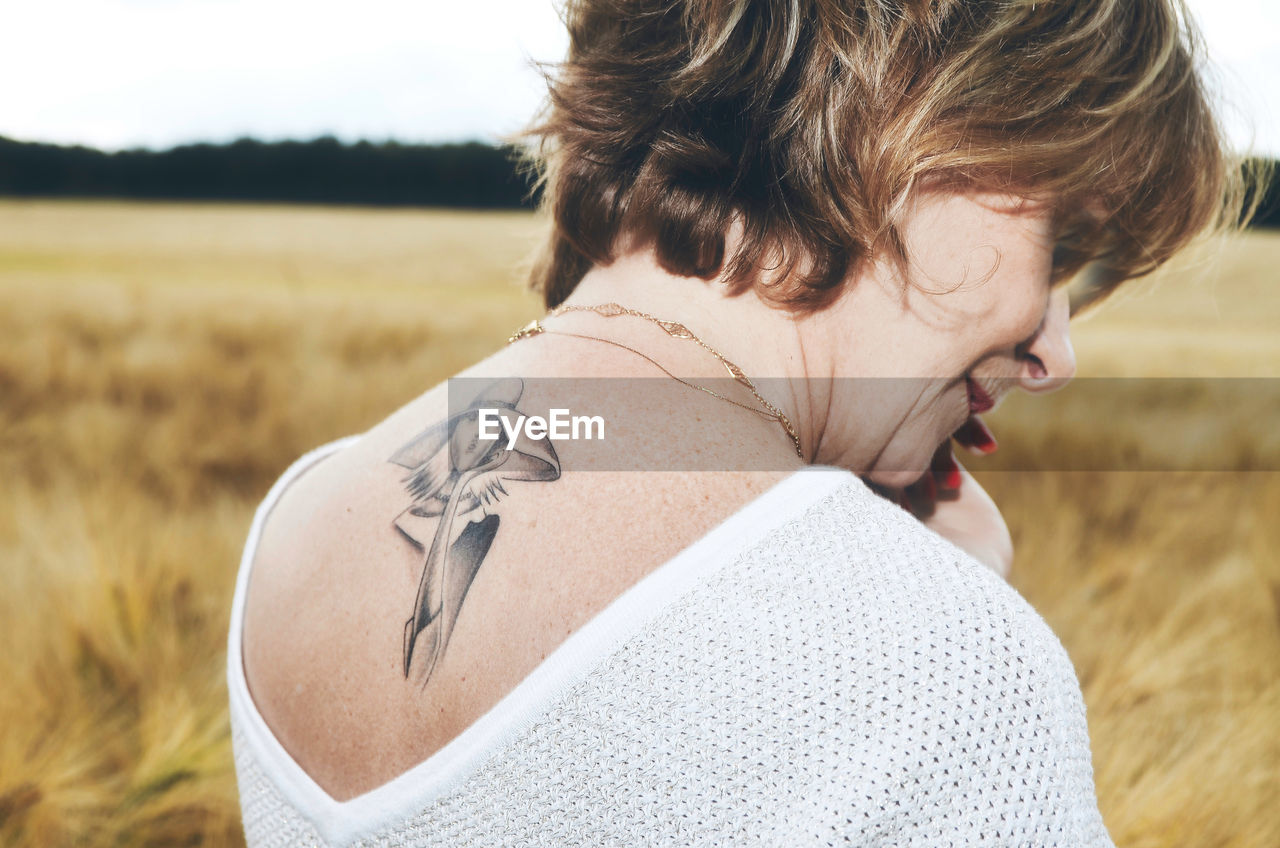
(161, 364)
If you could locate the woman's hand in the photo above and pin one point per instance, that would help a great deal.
(950, 502)
(968, 517)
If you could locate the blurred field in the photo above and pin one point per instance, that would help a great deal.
(161, 364)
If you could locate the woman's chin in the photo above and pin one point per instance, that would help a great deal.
(895, 479)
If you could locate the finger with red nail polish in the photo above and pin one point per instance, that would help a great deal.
(951, 477)
(944, 468)
(975, 437)
(923, 495)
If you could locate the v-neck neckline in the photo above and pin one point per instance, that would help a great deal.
(343, 821)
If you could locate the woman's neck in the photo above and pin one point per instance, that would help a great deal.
(770, 345)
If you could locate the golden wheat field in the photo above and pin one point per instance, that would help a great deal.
(161, 364)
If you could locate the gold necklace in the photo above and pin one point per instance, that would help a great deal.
(675, 330)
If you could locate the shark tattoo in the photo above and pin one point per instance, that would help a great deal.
(454, 474)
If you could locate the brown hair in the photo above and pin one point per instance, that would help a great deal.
(811, 121)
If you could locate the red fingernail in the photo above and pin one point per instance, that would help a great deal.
(979, 437)
(949, 472)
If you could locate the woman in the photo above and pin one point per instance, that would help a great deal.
(795, 246)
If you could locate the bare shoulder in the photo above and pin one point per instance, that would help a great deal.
(405, 584)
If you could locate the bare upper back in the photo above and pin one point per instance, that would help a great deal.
(334, 585)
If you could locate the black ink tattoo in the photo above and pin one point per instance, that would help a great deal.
(453, 473)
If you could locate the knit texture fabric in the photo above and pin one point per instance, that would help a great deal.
(851, 678)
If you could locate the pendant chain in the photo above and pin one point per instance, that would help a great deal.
(675, 330)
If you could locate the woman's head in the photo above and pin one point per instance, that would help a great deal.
(812, 123)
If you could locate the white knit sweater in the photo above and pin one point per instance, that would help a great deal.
(842, 675)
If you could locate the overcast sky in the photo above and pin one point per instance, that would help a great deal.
(125, 73)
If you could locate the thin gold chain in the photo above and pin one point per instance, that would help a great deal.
(675, 330)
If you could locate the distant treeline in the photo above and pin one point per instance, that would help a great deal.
(1268, 211)
(325, 170)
